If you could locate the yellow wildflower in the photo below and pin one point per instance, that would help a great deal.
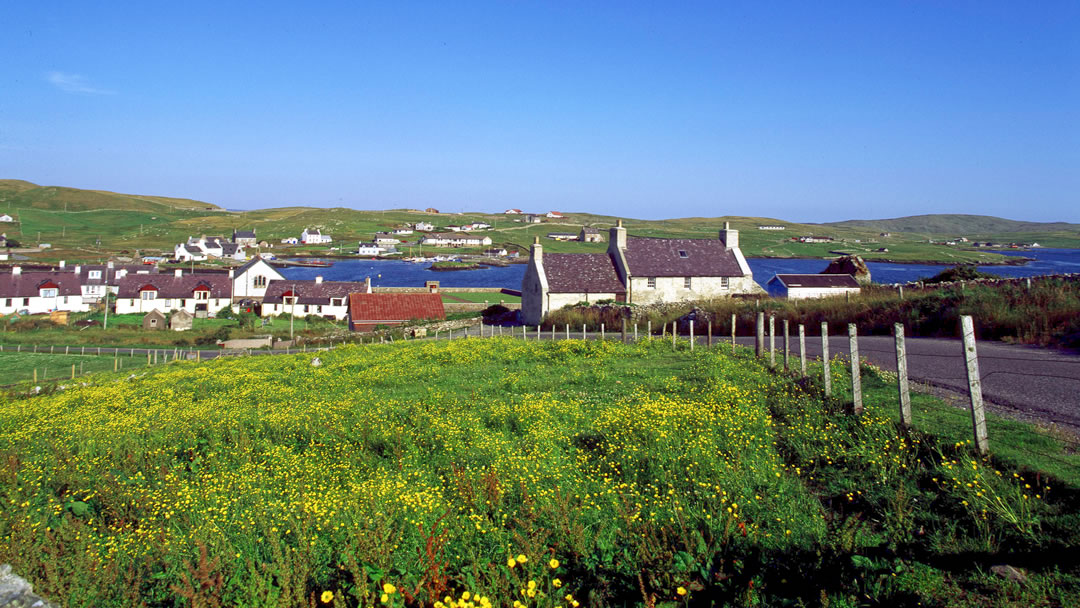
(554, 563)
(681, 591)
(326, 596)
(390, 589)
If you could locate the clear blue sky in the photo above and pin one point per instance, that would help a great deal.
(807, 111)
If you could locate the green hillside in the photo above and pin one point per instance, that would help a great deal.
(75, 221)
(956, 224)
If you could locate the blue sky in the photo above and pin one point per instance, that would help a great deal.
(800, 111)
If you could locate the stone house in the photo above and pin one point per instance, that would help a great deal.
(636, 270)
(590, 235)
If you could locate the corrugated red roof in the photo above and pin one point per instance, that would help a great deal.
(581, 273)
(394, 307)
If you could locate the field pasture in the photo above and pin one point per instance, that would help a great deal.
(503, 472)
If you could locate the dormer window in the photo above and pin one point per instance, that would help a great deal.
(683, 254)
(202, 294)
(49, 292)
(93, 274)
(149, 295)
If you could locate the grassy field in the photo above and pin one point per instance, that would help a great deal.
(74, 221)
(480, 297)
(21, 366)
(508, 473)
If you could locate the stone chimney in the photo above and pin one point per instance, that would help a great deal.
(63, 264)
(729, 236)
(536, 251)
(78, 268)
(121, 273)
(16, 271)
(367, 284)
(318, 280)
(178, 272)
(232, 274)
(109, 265)
(618, 236)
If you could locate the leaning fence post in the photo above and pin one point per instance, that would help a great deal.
(759, 336)
(826, 375)
(772, 341)
(787, 345)
(691, 335)
(971, 358)
(856, 377)
(802, 348)
(901, 375)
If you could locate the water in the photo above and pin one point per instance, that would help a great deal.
(396, 273)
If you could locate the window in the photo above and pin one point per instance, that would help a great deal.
(26, 301)
(337, 301)
(260, 281)
(307, 308)
(687, 283)
(723, 282)
(182, 302)
(65, 299)
(49, 293)
(7, 302)
(652, 282)
(318, 309)
(202, 294)
(168, 303)
(93, 274)
(683, 254)
(149, 295)
(289, 300)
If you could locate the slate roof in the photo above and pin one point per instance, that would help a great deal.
(817, 280)
(229, 249)
(383, 307)
(172, 286)
(590, 230)
(108, 275)
(27, 284)
(310, 292)
(243, 234)
(581, 273)
(649, 257)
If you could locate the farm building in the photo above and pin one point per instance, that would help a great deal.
(369, 310)
(803, 286)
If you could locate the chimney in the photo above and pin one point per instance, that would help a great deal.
(367, 284)
(109, 265)
(318, 280)
(63, 264)
(121, 273)
(618, 235)
(232, 274)
(78, 268)
(178, 272)
(536, 252)
(16, 271)
(729, 237)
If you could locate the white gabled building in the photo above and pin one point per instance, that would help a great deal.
(249, 282)
(318, 297)
(314, 236)
(6, 218)
(803, 286)
(368, 249)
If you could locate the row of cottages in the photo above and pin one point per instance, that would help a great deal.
(202, 295)
(314, 236)
(637, 270)
(443, 239)
(72, 289)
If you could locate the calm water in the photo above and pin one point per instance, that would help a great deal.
(393, 273)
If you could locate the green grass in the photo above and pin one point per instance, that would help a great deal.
(21, 366)
(480, 297)
(431, 466)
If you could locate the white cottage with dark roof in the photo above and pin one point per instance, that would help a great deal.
(637, 270)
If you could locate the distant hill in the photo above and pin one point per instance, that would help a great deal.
(957, 224)
(19, 194)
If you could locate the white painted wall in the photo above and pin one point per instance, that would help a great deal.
(671, 289)
(167, 305)
(318, 310)
(244, 284)
(804, 293)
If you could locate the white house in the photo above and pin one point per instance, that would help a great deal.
(292, 240)
(803, 286)
(314, 236)
(512, 212)
(555, 215)
(368, 249)
(6, 218)
(480, 226)
(202, 295)
(187, 252)
(249, 282)
(386, 239)
(771, 227)
(40, 292)
(636, 270)
(443, 239)
(403, 231)
(97, 279)
(318, 297)
(424, 226)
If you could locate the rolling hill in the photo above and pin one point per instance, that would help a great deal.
(954, 224)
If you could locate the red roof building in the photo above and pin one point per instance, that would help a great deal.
(369, 310)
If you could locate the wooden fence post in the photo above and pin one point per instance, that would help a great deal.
(635, 333)
(733, 319)
(624, 330)
(72, 371)
(602, 335)
(537, 333)
(584, 336)
(759, 336)
(787, 346)
(709, 340)
(772, 341)
(901, 292)
(691, 335)
(856, 376)
(901, 375)
(971, 358)
(802, 349)
(674, 334)
(567, 331)
(827, 376)
(648, 328)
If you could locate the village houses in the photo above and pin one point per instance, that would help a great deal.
(314, 236)
(636, 270)
(444, 239)
(302, 298)
(202, 295)
(250, 281)
(36, 292)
